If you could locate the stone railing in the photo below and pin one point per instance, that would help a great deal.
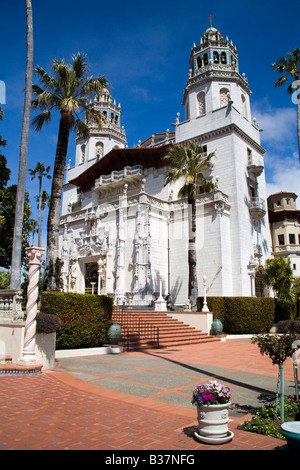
(116, 177)
(11, 304)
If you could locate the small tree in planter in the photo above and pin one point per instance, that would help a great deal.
(278, 348)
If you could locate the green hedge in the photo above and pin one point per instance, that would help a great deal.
(85, 318)
(242, 315)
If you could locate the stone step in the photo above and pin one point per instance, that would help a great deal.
(172, 332)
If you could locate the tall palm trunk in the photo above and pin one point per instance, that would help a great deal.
(55, 201)
(192, 255)
(16, 263)
(298, 113)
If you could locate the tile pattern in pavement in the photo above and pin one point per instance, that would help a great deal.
(132, 401)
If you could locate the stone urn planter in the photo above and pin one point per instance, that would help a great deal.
(212, 401)
(45, 349)
(45, 338)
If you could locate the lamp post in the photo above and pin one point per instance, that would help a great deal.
(205, 307)
(160, 286)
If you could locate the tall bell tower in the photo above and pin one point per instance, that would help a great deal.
(217, 115)
(213, 62)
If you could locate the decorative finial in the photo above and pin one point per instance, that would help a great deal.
(211, 16)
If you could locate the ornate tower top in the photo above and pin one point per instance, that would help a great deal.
(111, 112)
(215, 58)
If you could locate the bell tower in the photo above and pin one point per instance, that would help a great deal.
(217, 116)
(101, 140)
(213, 62)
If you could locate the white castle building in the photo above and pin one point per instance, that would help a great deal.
(124, 233)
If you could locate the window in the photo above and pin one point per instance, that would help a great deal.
(199, 62)
(288, 202)
(82, 154)
(244, 106)
(249, 155)
(216, 57)
(99, 150)
(224, 92)
(292, 239)
(201, 103)
(205, 58)
(294, 267)
(223, 58)
(278, 203)
(281, 239)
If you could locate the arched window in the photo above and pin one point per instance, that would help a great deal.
(223, 58)
(244, 105)
(205, 58)
(201, 103)
(199, 62)
(99, 150)
(224, 96)
(82, 154)
(216, 57)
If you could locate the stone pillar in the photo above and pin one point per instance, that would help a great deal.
(29, 358)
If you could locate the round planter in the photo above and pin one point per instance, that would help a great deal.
(213, 422)
(291, 431)
(114, 333)
(217, 327)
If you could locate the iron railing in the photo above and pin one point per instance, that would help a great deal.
(135, 330)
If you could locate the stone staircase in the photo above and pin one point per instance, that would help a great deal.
(149, 329)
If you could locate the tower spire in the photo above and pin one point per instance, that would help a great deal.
(210, 18)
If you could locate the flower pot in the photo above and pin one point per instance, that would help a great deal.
(213, 421)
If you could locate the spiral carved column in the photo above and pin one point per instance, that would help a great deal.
(28, 357)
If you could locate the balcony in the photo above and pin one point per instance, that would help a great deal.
(255, 166)
(257, 208)
(286, 249)
(129, 174)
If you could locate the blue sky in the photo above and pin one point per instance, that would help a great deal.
(143, 49)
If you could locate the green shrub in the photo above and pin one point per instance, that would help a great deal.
(85, 318)
(47, 323)
(292, 326)
(266, 420)
(242, 315)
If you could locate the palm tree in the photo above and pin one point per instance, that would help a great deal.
(290, 66)
(41, 171)
(279, 275)
(188, 163)
(67, 92)
(15, 275)
(45, 198)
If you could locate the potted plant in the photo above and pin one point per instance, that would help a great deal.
(212, 401)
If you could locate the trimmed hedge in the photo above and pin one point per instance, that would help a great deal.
(85, 318)
(242, 315)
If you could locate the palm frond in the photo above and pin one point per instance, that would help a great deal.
(94, 116)
(81, 127)
(46, 79)
(41, 119)
(92, 85)
(80, 66)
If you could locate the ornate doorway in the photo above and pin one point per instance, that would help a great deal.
(91, 278)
